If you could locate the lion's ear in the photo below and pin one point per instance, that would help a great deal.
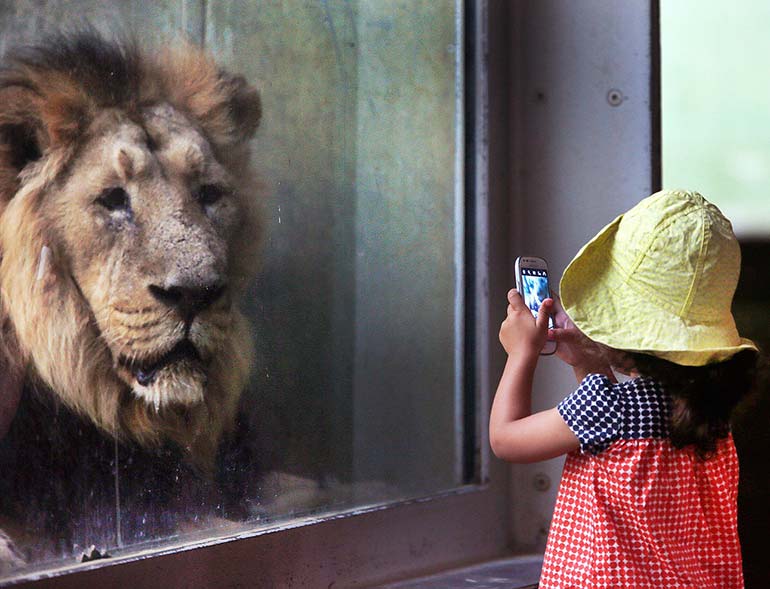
(22, 139)
(244, 105)
(31, 123)
(226, 106)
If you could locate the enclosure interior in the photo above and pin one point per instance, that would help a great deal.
(356, 396)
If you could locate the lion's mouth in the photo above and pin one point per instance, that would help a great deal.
(145, 372)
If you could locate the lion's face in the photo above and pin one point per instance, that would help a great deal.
(146, 205)
(146, 218)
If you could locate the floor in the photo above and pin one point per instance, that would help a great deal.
(518, 572)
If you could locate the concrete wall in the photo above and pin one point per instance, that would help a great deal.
(582, 143)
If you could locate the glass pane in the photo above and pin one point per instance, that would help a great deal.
(354, 311)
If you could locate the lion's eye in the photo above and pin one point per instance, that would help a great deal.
(208, 194)
(115, 199)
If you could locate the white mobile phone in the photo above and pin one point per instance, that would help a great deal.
(532, 284)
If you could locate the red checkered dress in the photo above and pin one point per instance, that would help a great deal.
(632, 510)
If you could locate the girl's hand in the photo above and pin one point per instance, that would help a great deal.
(520, 333)
(583, 354)
(515, 434)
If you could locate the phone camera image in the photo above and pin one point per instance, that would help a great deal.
(535, 287)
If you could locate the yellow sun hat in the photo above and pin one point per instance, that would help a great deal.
(660, 280)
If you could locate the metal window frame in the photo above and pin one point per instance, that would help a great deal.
(366, 546)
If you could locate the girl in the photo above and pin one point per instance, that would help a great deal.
(649, 488)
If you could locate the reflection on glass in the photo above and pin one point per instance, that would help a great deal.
(202, 350)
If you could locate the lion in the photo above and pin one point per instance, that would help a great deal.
(130, 226)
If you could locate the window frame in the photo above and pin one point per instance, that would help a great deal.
(377, 543)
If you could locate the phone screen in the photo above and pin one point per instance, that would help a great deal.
(534, 283)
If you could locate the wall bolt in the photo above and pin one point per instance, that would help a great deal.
(541, 482)
(615, 97)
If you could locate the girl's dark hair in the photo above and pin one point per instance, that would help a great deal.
(703, 396)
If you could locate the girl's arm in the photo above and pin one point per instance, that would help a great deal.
(514, 433)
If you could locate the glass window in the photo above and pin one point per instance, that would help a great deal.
(355, 311)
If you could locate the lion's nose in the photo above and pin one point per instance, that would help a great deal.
(188, 299)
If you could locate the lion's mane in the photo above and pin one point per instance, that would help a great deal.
(48, 97)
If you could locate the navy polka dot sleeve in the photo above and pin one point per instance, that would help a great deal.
(599, 412)
(592, 413)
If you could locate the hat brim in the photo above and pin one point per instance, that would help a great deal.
(597, 297)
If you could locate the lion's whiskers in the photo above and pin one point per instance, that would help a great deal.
(134, 335)
(135, 311)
